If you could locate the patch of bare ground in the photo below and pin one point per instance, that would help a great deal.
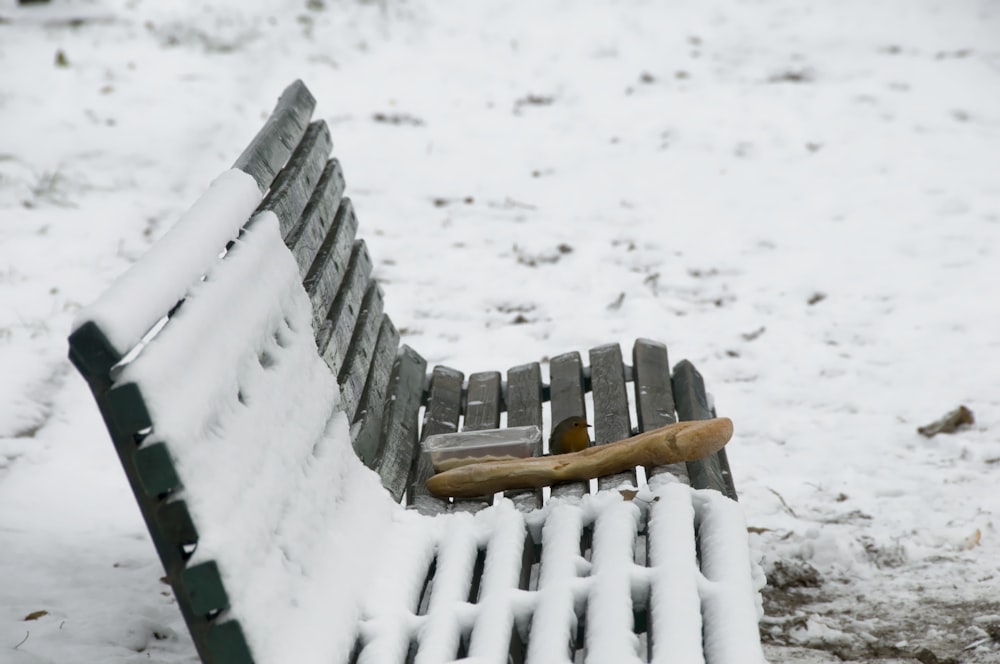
(812, 619)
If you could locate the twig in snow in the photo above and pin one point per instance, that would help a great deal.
(26, 635)
(948, 423)
(783, 503)
(617, 303)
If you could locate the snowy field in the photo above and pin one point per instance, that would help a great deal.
(800, 198)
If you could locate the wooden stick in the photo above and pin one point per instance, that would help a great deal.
(683, 441)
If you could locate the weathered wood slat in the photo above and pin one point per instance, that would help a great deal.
(483, 402)
(271, 147)
(202, 584)
(335, 332)
(176, 525)
(155, 469)
(692, 404)
(441, 416)
(524, 408)
(307, 235)
(358, 359)
(566, 385)
(294, 184)
(611, 420)
(327, 270)
(400, 423)
(226, 643)
(370, 411)
(93, 355)
(654, 396)
(127, 414)
(482, 411)
(524, 395)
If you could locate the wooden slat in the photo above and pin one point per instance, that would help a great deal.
(327, 270)
(294, 184)
(226, 643)
(400, 423)
(692, 404)
(358, 359)
(271, 147)
(156, 470)
(483, 405)
(566, 381)
(482, 411)
(126, 414)
(202, 584)
(176, 525)
(611, 419)
(307, 235)
(524, 408)
(93, 356)
(524, 395)
(335, 332)
(441, 416)
(368, 419)
(654, 396)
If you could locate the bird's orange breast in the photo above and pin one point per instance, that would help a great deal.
(572, 440)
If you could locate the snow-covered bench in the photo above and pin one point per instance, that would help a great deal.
(268, 421)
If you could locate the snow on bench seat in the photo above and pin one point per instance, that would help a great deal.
(682, 600)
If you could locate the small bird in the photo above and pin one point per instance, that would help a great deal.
(570, 435)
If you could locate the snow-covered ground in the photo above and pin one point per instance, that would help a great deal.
(800, 198)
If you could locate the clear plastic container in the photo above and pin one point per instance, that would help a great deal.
(451, 450)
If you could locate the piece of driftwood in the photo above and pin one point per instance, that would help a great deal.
(681, 441)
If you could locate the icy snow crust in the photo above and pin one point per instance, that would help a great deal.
(248, 411)
(143, 295)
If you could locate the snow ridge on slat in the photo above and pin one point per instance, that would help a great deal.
(731, 605)
(675, 626)
(138, 299)
(497, 605)
(686, 598)
(388, 618)
(609, 608)
(555, 621)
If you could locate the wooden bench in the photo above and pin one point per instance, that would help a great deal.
(165, 352)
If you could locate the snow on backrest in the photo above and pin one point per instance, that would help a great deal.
(248, 411)
(142, 296)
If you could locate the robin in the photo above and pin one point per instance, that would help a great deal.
(570, 435)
